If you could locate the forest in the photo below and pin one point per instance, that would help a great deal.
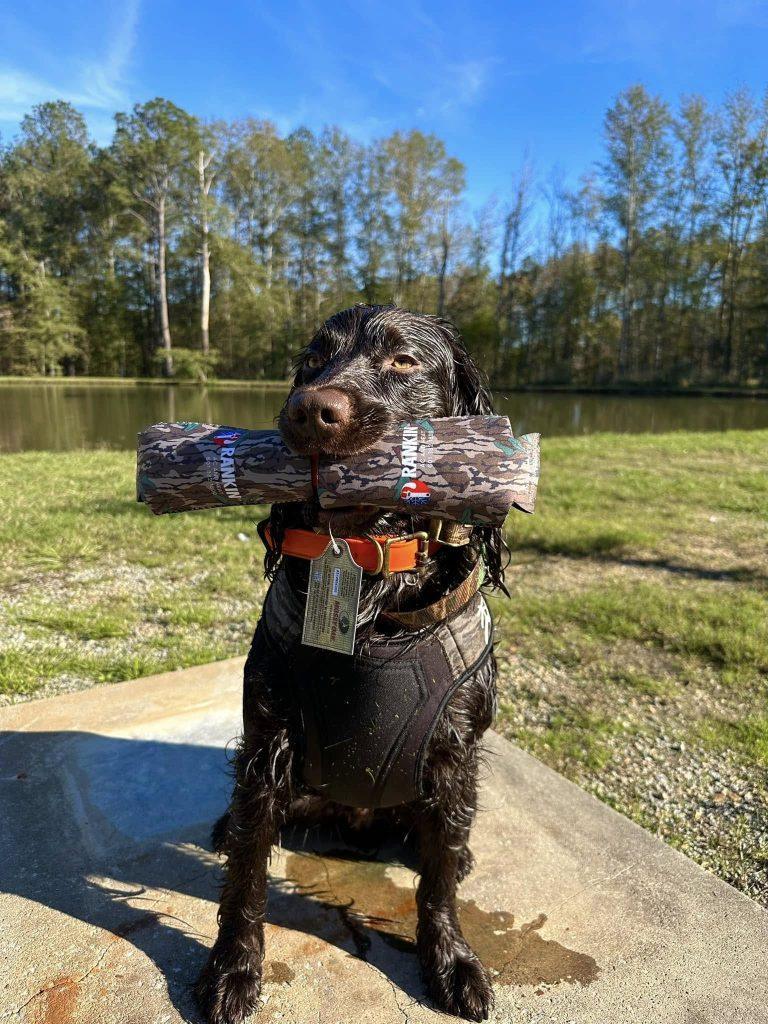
(198, 250)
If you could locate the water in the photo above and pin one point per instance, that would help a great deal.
(60, 417)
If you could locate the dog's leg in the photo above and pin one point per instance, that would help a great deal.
(455, 978)
(466, 863)
(229, 986)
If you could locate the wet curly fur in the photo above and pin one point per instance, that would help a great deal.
(350, 352)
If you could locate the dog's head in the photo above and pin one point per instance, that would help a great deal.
(369, 368)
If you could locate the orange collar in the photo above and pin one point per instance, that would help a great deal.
(375, 554)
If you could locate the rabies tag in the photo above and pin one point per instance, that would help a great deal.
(330, 617)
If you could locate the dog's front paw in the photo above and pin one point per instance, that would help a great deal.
(462, 987)
(229, 986)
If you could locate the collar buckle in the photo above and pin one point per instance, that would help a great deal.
(384, 551)
(448, 533)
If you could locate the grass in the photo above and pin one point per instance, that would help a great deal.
(633, 651)
(634, 648)
(95, 588)
(573, 737)
(726, 629)
(749, 736)
(645, 570)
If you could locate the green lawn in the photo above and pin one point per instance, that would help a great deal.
(634, 649)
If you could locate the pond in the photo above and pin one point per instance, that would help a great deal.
(62, 416)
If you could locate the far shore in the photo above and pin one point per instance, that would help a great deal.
(644, 390)
(129, 382)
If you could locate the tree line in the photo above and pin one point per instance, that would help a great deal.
(193, 249)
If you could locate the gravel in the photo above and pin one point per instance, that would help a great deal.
(712, 806)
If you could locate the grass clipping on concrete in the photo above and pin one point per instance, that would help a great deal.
(633, 652)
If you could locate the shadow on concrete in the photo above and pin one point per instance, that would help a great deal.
(95, 825)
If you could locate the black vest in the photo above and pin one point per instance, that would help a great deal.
(367, 719)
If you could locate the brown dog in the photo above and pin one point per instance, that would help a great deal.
(367, 369)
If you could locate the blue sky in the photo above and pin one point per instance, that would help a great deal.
(494, 80)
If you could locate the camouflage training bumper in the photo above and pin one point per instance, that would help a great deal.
(470, 469)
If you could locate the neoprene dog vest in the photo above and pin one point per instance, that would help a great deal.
(367, 719)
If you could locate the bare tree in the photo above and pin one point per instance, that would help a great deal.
(205, 180)
(150, 149)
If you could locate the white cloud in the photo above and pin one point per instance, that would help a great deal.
(93, 86)
(105, 79)
(424, 72)
(463, 84)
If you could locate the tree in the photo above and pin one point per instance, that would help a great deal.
(259, 186)
(41, 329)
(638, 152)
(515, 242)
(419, 176)
(152, 151)
(446, 227)
(307, 229)
(205, 177)
(179, 247)
(691, 217)
(741, 142)
(45, 178)
(371, 213)
(339, 157)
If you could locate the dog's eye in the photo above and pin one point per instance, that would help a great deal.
(403, 362)
(313, 361)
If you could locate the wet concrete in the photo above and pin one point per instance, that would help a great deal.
(109, 890)
(367, 900)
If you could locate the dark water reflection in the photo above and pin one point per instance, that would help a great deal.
(63, 416)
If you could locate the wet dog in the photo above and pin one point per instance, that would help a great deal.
(367, 369)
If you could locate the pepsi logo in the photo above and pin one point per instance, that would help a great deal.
(415, 492)
(226, 437)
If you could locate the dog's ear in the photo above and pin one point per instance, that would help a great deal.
(273, 551)
(298, 364)
(470, 395)
(495, 554)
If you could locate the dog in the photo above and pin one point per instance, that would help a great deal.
(366, 370)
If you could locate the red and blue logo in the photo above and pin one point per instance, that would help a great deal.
(226, 437)
(415, 493)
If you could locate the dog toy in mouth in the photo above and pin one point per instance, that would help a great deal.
(470, 469)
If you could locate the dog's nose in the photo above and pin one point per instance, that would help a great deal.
(320, 414)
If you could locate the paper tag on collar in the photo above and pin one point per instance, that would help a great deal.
(333, 594)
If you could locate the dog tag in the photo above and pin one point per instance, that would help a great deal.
(330, 617)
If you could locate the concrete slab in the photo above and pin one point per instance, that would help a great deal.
(109, 897)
